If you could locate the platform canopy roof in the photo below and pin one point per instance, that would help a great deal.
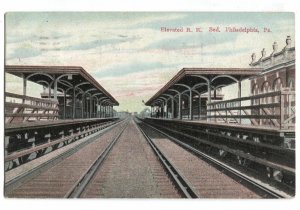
(198, 80)
(66, 77)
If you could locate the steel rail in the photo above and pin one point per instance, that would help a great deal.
(85, 179)
(264, 190)
(184, 186)
(19, 180)
(259, 160)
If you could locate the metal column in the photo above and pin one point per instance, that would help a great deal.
(65, 101)
(24, 87)
(74, 104)
(163, 109)
(179, 107)
(239, 96)
(91, 107)
(209, 98)
(172, 106)
(97, 111)
(100, 110)
(86, 107)
(191, 105)
(94, 108)
(49, 91)
(55, 90)
(199, 107)
(167, 110)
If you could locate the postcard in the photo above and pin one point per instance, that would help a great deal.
(149, 105)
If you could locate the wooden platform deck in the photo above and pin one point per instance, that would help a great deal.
(261, 129)
(53, 123)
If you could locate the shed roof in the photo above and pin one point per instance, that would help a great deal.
(70, 76)
(197, 78)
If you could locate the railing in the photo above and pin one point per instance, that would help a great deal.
(20, 108)
(273, 109)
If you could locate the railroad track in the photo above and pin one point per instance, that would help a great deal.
(67, 174)
(24, 155)
(131, 171)
(229, 183)
(121, 155)
(277, 174)
(84, 180)
(180, 181)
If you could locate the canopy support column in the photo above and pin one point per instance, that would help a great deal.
(91, 107)
(24, 87)
(167, 110)
(191, 104)
(100, 109)
(179, 106)
(199, 107)
(209, 98)
(49, 90)
(65, 100)
(82, 106)
(55, 90)
(163, 109)
(172, 106)
(74, 104)
(239, 96)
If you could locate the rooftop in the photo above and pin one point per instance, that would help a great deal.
(69, 77)
(197, 79)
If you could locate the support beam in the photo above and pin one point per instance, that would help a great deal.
(24, 87)
(91, 106)
(164, 113)
(179, 106)
(240, 103)
(55, 90)
(100, 110)
(172, 106)
(209, 97)
(65, 101)
(82, 105)
(49, 91)
(87, 108)
(74, 104)
(163, 109)
(191, 105)
(167, 110)
(209, 92)
(97, 109)
(199, 118)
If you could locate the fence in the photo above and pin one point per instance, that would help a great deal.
(273, 109)
(20, 108)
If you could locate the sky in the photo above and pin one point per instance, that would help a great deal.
(129, 55)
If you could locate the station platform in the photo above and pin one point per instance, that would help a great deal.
(232, 126)
(43, 124)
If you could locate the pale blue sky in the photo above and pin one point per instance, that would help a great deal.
(129, 55)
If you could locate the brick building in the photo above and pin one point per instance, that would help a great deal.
(278, 74)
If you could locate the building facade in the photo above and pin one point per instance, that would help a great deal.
(278, 75)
